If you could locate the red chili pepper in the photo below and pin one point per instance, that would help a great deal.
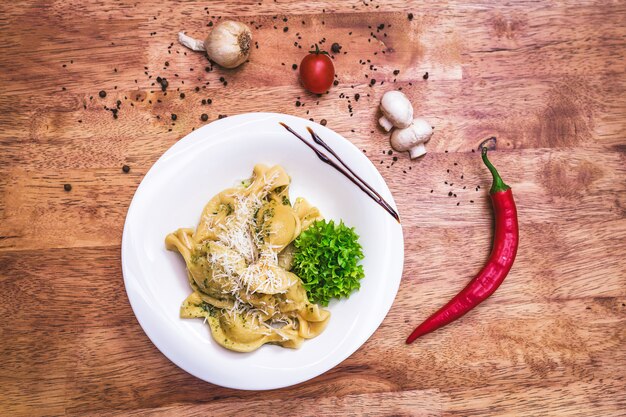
(505, 242)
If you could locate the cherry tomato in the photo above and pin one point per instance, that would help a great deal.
(317, 71)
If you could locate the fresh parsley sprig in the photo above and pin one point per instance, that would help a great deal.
(327, 260)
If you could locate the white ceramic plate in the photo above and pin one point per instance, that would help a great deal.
(172, 195)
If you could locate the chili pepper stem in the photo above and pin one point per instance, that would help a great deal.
(498, 184)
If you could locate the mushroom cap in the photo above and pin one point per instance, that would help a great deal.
(397, 108)
(418, 132)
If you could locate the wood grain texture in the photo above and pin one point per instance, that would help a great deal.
(547, 78)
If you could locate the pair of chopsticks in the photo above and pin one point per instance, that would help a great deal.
(347, 172)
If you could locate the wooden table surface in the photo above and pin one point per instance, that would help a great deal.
(546, 78)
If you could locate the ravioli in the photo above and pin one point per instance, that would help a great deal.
(238, 262)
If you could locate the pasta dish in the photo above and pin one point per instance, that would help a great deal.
(238, 263)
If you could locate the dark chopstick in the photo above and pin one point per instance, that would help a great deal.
(351, 176)
(323, 144)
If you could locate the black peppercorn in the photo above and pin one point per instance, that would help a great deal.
(425, 76)
(182, 95)
(335, 48)
(298, 104)
(285, 29)
(204, 117)
(67, 187)
(372, 81)
(294, 67)
(410, 16)
(174, 117)
(323, 122)
(126, 169)
(102, 94)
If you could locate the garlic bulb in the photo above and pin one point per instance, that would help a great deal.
(228, 44)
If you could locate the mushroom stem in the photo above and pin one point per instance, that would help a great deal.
(417, 151)
(385, 123)
(191, 43)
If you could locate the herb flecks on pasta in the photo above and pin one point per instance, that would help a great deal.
(239, 261)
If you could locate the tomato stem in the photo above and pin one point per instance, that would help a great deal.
(317, 51)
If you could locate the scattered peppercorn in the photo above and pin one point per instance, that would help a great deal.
(298, 103)
(182, 95)
(285, 29)
(396, 72)
(323, 122)
(450, 194)
(67, 187)
(425, 75)
(204, 117)
(102, 94)
(294, 66)
(335, 48)
(389, 152)
(174, 117)
(357, 96)
(410, 16)
(126, 169)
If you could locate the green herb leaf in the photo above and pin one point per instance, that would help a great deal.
(326, 260)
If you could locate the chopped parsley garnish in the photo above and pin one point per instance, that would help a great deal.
(207, 308)
(327, 260)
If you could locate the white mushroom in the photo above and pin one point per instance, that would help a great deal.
(397, 111)
(412, 138)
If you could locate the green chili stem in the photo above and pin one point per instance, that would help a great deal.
(498, 184)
